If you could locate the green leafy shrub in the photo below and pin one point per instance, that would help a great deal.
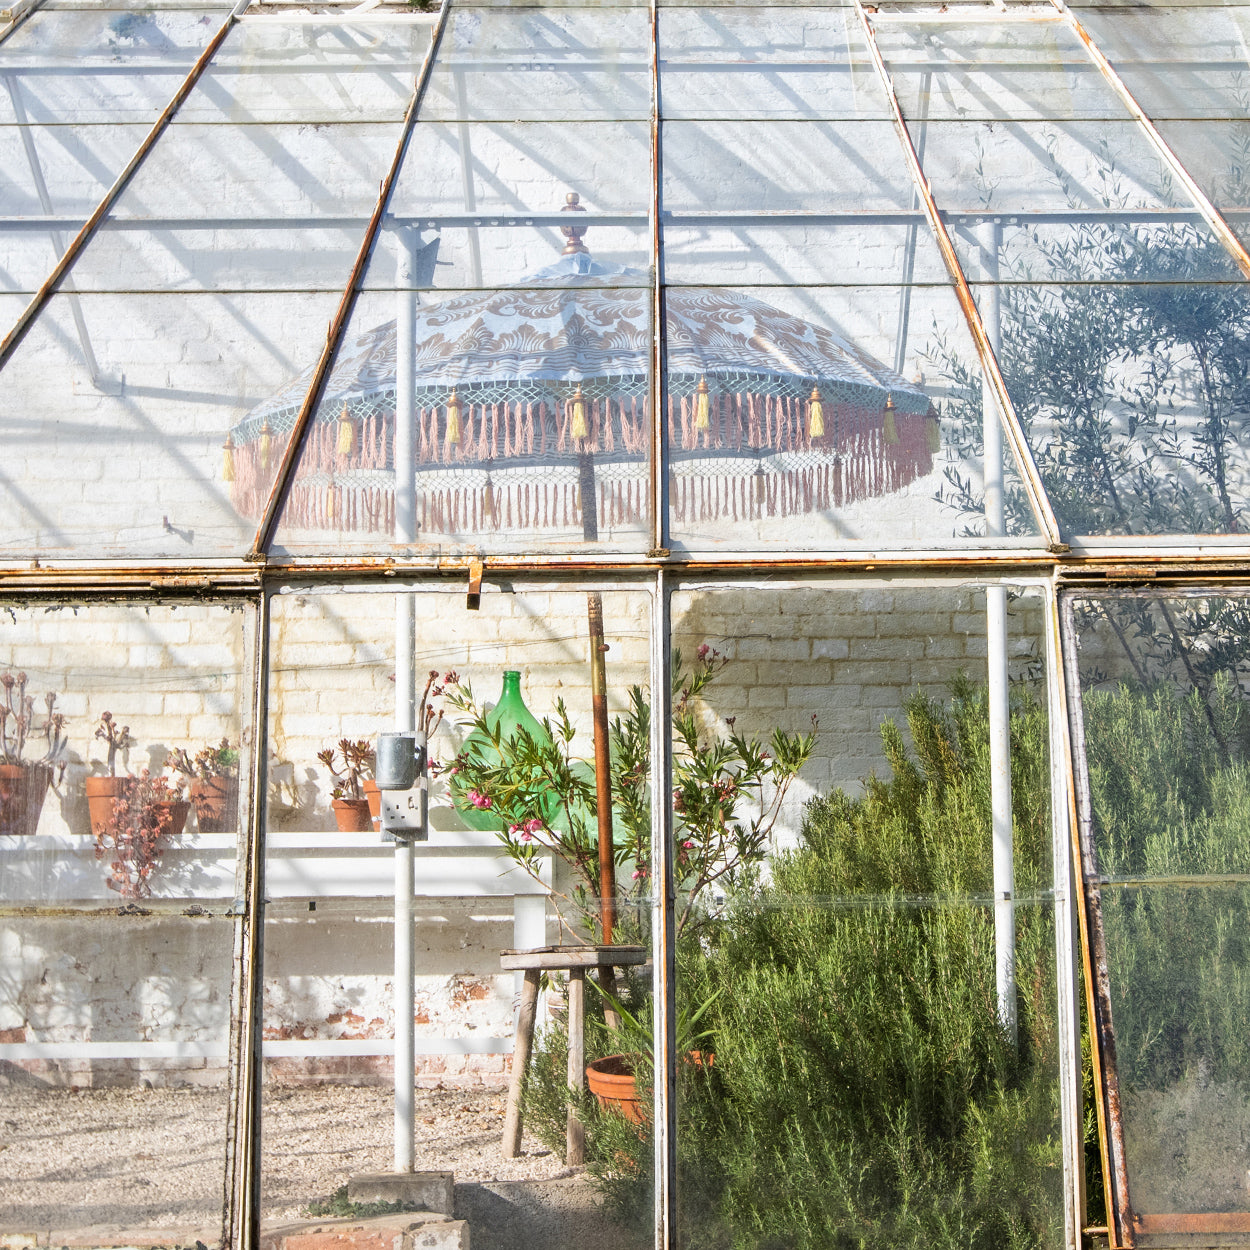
(863, 1092)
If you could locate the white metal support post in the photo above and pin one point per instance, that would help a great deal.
(405, 698)
(996, 664)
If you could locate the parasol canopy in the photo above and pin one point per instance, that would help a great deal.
(519, 393)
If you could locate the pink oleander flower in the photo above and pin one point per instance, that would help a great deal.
(702, 652)
(534, 825)
(687, 845)
(479, 800)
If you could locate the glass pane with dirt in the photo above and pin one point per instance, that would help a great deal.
(1166, 726)
(512, 863)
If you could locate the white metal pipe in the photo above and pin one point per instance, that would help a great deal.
(996, 664)
(405, 706)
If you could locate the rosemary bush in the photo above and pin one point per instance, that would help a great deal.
(863, 1093)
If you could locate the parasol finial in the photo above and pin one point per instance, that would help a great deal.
(574, 234)
(815, 415)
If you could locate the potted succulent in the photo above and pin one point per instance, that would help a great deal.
(104, 791)
(348, 798)
(24, 782)
(211, 777)
(146, 813)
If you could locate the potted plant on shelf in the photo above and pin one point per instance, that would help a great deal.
(348, 798)
(211, 777)
(144, 815)
(24, 782)
(104, 791)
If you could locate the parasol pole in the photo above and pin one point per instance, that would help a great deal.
(996, 665)
(405, 700)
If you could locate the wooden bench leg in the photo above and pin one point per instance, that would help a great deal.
(575, 1133)
(522, 1045)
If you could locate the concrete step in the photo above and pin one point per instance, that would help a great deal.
(407, 1230)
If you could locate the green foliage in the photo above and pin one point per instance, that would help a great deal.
(863, 1093)
(1170, 793)
(728, 791)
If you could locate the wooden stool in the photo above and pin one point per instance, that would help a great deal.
(574, 960)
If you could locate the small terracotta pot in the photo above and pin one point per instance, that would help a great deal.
(611, 1080)
(352, 815)
(22, 791)
(374, 796)
(178, 810)
(216, 802)
(102, 792)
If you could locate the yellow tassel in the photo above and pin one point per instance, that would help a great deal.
(702, 406)
(891, 429)
(265, 444)
(227, 459)
(347, 434)
(578, 428)
(815, 415)
(933, 435)
(488, 503)
(453, 419)
(330, 501)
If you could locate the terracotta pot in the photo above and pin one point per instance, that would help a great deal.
(216, 802)
(102, 792)
(611, 1080)
(352, 815)
(22, 791)
(178, 810)
(374, 796)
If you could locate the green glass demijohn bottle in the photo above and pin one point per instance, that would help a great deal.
(508, 715)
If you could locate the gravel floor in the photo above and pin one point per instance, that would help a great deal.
(154, 1157)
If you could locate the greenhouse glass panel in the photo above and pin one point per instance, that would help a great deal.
(767, 63)
(267, 73)
(526, 426)
(813, 418)
(512, 862)
(226, 207)
(118, 408)
(542, 65)
(1162, 718)
(1034, 70)
(783, 166)
(122, 729)
(101, 65)
(1133, 398)
(861, 1027)
(1178, 63)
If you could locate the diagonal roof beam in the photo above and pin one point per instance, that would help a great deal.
(54, 280)
(16, 14)
(1214, 218)
(338, 323)
(1033, 486)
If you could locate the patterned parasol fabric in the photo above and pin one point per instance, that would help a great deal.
(520, 392)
